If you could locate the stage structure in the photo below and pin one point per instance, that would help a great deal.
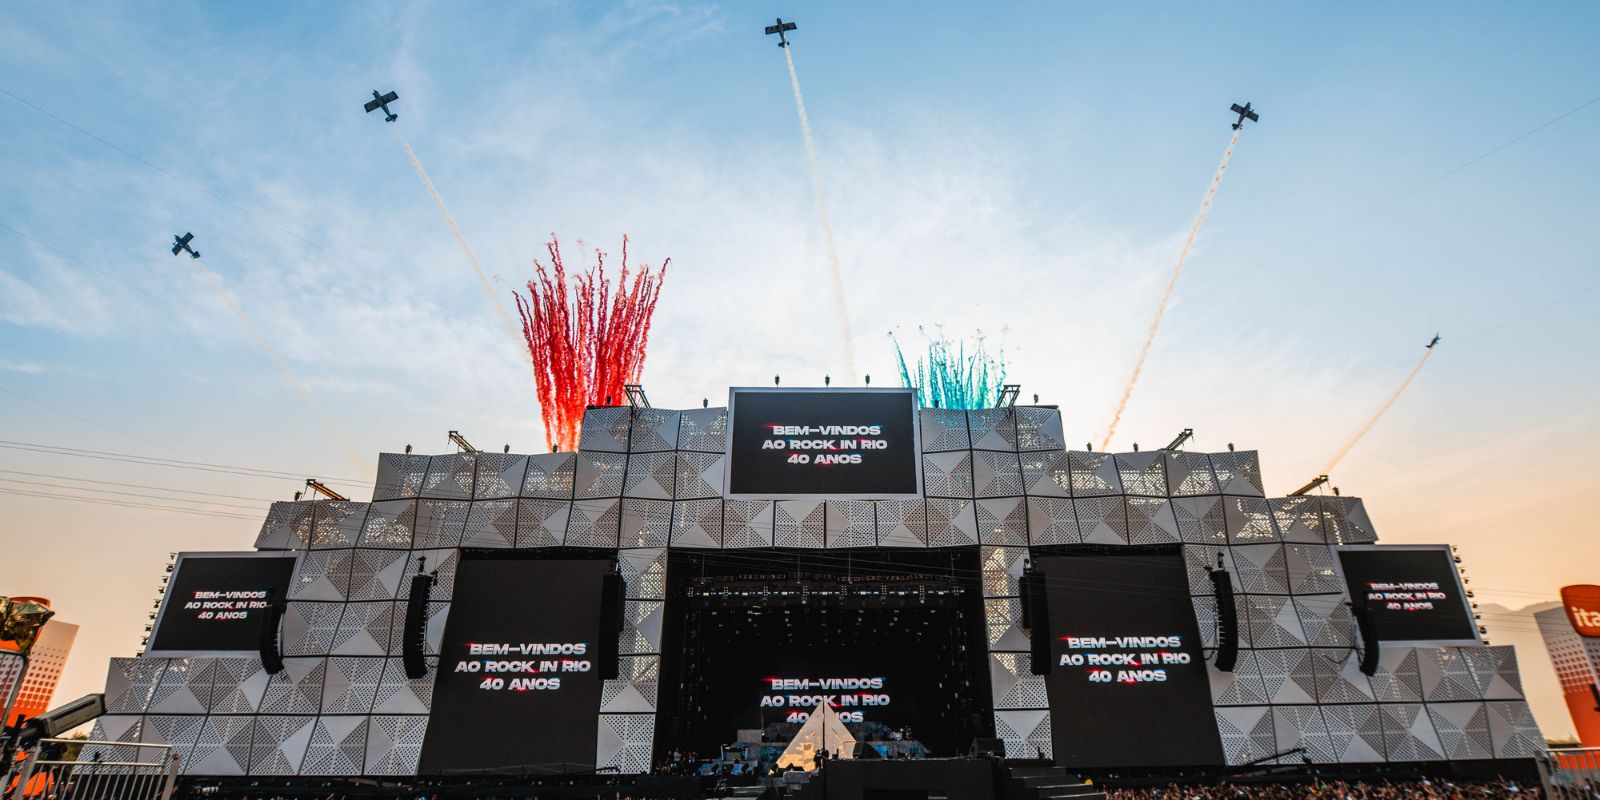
(686, 576)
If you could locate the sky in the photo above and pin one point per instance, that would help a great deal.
(1028, 172)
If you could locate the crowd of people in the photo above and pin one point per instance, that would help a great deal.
(1349, 790)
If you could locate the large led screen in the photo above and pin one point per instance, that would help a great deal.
(860, 443)
(216, 602)
(1413, 591)
(1127, 683)
(518, 686)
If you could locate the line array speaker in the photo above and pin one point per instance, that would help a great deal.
(1227, 620)
(1370, 646)
(413, 643)
(1036, 621)
(271, 621)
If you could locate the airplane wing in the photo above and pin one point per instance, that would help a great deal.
(390, 97)
(372, 105)
(1237, 109)
(771, 29)
(176, 248)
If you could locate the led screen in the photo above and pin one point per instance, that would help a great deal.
(1414, 592)
(849, 442)
(518, 684)
(1127, 683)
(215, 602)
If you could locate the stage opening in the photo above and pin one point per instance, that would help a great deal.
(892, 640)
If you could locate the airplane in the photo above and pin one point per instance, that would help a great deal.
(1435, 341)
(1244, 114)
(382, 101)
(783, 41)
(180, 244)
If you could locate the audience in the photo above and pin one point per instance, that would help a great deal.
(1438, 789)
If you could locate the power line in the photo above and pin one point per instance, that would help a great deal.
(85, 420)
(49, 485)
(131, 485)
(124, 504)
(103, 455)
(96, 270)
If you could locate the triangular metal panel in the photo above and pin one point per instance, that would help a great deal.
(947, 474)
(951, 523)
(1143, 473)
(1003, 520)
(1247, 733)
(944, 429)
(996, 474)
(799, 523)
(645, 523)
(902, 523)
(542, 523)
(500, 475)
(1046, 473)
(605, 429)
(550, 476)
(703, 430)
(1039, 428)
(1001, 568)
(1052, 521)
(400, 475)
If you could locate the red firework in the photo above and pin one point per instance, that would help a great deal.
(586, 342)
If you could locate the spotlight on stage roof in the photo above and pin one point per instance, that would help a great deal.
(1008, 395)
(1188, 433)
(460, 441)
(320, 488)
(1315, 482)
(636, 396)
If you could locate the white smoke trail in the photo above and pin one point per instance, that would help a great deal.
(283, 369)
(835, 272)
(1373, 420)
(472, 258)
(1166, 296)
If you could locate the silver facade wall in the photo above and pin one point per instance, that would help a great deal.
(999, 480)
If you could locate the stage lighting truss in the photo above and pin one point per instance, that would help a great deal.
(713, 593)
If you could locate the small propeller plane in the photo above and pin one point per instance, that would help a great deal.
(1435, 341)
(1244, 113)
(382, 101)
(180, 244)
(780, 28)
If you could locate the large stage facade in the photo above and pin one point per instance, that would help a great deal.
(522, 545)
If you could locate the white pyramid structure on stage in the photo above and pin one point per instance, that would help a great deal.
(823, 731)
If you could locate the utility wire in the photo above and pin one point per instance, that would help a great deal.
(102, 455)
(49, 485)
(85, 420)
(130, 485)
(123, 504)
(96, 270)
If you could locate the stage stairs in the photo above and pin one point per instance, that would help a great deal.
(1046, 783)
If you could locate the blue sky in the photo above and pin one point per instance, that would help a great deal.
(1029, 170)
